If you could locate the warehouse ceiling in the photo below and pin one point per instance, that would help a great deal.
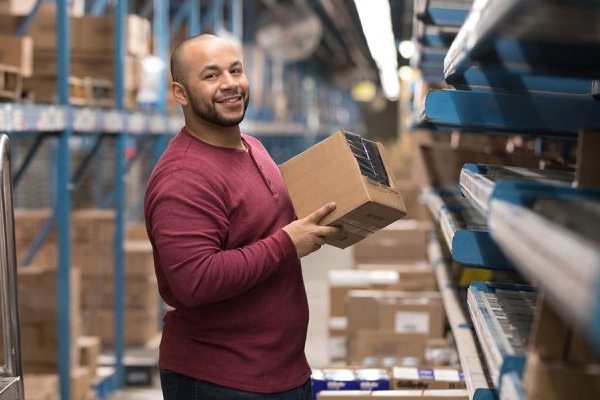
(342, 53)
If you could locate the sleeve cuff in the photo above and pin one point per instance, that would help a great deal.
(289, 250)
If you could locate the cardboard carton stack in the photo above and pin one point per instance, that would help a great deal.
(439, 394)
(37, 289)
(92, 54)
(92, 251)
(560, 365)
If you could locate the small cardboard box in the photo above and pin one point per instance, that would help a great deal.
(345, 394)
(400, 243)
(16, 7)
(427, 378)
(401, 312)
(558, 380)
(351, 171)
(416, 276)
(422, 394)
(98, 34)
(379, 343)
(17, 52)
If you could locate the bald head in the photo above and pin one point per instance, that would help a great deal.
(178, 57)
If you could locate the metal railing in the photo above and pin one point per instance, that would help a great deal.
(11, 373)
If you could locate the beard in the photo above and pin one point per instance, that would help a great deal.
(208, 111)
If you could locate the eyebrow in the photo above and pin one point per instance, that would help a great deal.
(216, 67)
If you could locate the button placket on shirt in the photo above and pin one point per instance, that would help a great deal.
(262, 174)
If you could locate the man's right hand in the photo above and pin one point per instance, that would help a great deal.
(307, 235)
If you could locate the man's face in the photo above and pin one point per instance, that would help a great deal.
(217, 85)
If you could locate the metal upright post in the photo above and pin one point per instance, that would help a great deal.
(119, 271)
(217, 16)
(63, 205)
(160, 26)
(193, 23)
(235, 18)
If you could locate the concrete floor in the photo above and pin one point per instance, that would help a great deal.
(315, 268)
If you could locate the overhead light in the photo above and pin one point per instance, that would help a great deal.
(405, 73)
(406, 49)
(363, 91)
(376, 20)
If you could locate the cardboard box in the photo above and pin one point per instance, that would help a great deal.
(341, 281)
(401, 312)
(17, 52)
(410, 378)
(400, 243)
(423, 395)
(557, 380)
(16, 7)
(338, 346)
(89, 350)
(345, 394)
(140, 325)
(43, 31)
(136, 231)
(378, 343)
(98, 34)
(416, 276)
(330, 171)
(41, 386)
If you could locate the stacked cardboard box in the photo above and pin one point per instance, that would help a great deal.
(401, 242)
(559, 364)
(92, 251)
(92, 43)
(439, 394)
(392, 324)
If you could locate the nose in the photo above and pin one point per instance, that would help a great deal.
(228, 81)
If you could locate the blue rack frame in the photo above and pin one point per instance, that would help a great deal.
(464, 229)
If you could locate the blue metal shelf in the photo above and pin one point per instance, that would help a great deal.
(551, 235)
(470, 360)
(464, 229)
(536, 114)
(512, 387)
(480, 183)
(502, 315)
(443, 13)
(530, 36)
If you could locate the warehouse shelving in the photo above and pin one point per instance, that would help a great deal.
(528, 36)
(443, 13)
(464, 229)
(462, 331)
(479, 183)
(502, 315)
(148, 129)
(512, 387)
(552, 236)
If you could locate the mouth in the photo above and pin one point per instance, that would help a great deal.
(231, 101)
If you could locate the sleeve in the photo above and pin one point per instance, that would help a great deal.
(188, 225)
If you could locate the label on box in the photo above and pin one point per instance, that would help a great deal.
(411, 322)
(447, 375)
(337, 347)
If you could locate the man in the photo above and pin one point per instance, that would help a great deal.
(226, 246)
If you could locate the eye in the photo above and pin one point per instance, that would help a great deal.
(237, 71)
(210, 76)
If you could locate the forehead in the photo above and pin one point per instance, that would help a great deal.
(203, 53)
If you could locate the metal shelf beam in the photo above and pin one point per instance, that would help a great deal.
(464, 229)
(462, 331)
(538, 114)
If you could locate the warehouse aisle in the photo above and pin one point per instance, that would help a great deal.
(315, 268)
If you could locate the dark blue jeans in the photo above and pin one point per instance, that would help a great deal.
(180, 387)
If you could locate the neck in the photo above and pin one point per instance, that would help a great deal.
(228, 137)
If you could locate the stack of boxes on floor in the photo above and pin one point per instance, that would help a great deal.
(387, 321)
(91, 306)
(92, 56)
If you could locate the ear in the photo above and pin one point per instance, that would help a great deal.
(179, 93)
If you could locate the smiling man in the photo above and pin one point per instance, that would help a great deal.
(226, 246)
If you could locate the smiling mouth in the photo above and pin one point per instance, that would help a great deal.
(230, 99)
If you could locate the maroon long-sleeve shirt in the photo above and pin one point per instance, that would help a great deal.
(214, 217)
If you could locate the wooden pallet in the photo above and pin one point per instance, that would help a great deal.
(43, 90)
(103, 92)
(11, 83)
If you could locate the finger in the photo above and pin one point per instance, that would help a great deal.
(329, 231)
(318, 215)
(320, 240)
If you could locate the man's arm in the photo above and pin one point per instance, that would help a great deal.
(189, 225)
